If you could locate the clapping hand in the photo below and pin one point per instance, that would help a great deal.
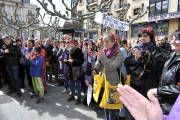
(139, 106)
(6, 51)
(70, 60)
(136, 53)
(100, 52)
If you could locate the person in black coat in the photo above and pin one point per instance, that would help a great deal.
(74, 61)
(49, 53)
(3, 67)
(12, 53)
(168, 89)
(166, 47)
(145, 73)
(55, 58)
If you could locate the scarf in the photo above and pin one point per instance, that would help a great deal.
(111, 52)
(145, 46)
(71, 51)
(29, 48)
(36, 56)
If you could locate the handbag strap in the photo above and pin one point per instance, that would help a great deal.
(71, 67)
(149, 57)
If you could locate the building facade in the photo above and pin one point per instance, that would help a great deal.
(23, 8)
(163, 16)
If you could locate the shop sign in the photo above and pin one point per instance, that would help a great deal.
(163, 17)
(111, 22)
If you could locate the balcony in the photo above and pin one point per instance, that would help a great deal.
(93, 3)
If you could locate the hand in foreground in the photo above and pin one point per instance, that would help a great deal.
(153, 91)
(139, 106)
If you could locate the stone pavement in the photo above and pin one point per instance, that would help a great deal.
(54, 107)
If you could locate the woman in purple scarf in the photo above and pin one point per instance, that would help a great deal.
(145, 62)
(111, 58)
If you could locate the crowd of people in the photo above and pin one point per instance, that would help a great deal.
(152, 64)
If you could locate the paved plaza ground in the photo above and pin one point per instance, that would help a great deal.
(54, 107)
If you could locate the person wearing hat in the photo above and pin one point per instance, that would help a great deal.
(74, 61)
(21, 67)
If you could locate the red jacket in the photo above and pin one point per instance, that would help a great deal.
(43, 53)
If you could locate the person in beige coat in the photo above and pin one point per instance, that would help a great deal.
(111, 58)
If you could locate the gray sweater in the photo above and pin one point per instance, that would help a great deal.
(111, 65)
(93, 58)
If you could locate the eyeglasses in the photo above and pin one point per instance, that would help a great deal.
(89, 44)
(100, 39)
(66, 42)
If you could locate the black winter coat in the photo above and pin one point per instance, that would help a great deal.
(1, 44)
(169, 88)
(54, 56)
(78, 60)
(155, 65)
(49, 52)
(167, 50)
(13, 57)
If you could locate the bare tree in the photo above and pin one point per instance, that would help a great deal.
(81, 17)
(14, 21)
(51, 24)
(101, 8)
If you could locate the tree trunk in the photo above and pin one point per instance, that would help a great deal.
(18, 33)
(82, 27)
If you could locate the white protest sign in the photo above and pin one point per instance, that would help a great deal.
(89, 94)
(109, 21)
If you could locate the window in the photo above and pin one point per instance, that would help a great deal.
(30, 11)
(80, 12)
(6, 8)
(157, 7)
(80, 1)
(16, 10)
(121, 3)
(156, 26)
(17, 18)
(162, 24)
(136, 11)
(178, 5)
(93, 9)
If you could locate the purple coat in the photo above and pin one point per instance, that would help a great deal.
(175, 111)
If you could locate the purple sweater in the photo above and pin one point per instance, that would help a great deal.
(175, 111)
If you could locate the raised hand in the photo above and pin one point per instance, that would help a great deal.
(139, 106)
(136, 53)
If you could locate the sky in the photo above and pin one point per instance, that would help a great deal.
(59, 6)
